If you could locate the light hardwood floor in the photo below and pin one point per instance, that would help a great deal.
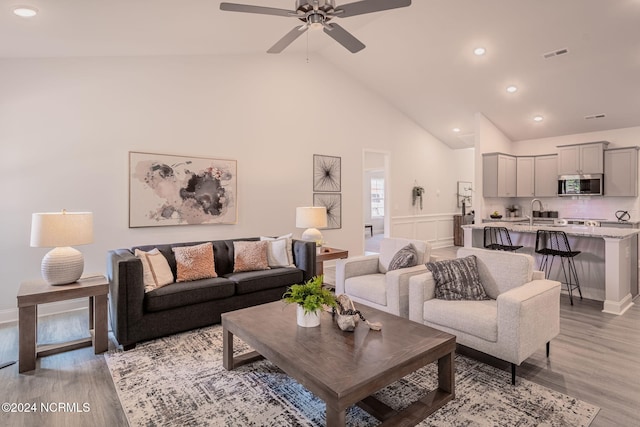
(596, 358)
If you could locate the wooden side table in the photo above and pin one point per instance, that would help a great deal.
(32, 293)
(327, 254)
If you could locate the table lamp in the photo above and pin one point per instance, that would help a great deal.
(310, 218)
(61, 230)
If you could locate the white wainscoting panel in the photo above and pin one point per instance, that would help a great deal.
(437, 229)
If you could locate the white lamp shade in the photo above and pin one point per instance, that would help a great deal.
(59, 229)
(311, 217)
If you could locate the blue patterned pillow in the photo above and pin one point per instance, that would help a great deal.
(405, 257)
(457, 279)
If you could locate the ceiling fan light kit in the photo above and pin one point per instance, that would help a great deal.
(316, 14)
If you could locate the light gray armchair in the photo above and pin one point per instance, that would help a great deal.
(366, 279)
(522, 314)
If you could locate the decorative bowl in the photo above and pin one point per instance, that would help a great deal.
(495, 216)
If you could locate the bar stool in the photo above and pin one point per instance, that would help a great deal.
(498, 239)
(552, 243)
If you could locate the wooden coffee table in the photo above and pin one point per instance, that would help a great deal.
(345, 368)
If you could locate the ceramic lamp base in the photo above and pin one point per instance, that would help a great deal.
(312, 235)
(61, 266)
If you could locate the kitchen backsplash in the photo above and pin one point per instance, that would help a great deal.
(578, 207)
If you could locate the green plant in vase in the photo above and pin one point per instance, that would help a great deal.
(310, 298)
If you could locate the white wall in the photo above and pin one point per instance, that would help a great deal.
(67, 125)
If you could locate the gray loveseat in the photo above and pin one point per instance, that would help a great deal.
(138, 316)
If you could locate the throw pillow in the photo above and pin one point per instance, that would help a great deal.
(457, 279)
(288, 247)
(250, 256)
(156, 272)
(195, 262)
(277, 253)
(405, 257)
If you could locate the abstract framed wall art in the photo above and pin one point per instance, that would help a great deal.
(333, 203)
(326, 173)
(181, 190)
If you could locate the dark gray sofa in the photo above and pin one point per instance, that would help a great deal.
(138, 316)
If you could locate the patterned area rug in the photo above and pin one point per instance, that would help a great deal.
(179, 381)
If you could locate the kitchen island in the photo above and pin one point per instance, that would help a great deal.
(607, 267)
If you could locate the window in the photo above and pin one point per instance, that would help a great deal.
(377, 197)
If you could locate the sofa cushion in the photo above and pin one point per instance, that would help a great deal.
(252, 281)
(194, 262)
(477, 318)
(187, 293)
(156, 272)
(457, 279)
(369, 287)
(404, 258)
(250, 256)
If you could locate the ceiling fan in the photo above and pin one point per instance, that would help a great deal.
(317, 14)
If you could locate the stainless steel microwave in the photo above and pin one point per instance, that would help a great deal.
(580, 185)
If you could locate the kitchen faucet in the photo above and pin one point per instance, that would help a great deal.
(532, 203)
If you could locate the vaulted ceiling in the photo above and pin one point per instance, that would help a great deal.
(419, 59)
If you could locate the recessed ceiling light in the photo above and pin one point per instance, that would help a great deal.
(456, 130)
(512, 89)
(479, 51)
(25, 11)
(538, 118)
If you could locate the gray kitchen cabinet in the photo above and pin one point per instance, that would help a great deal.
(621, 172)
(525, 176)
(499, 175)
(581, 159)
(546, 175)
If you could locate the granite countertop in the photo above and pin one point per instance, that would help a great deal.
(571, 230)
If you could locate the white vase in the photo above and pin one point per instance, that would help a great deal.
(308, 320)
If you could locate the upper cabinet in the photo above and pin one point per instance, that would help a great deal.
(498, 175)
(546, 176)
(581, 159)
(525, 171)
(621, 172)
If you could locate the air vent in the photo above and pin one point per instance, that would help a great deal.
(595, 116)
(555, 53)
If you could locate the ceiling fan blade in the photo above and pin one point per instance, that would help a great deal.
(234, 7)
(369, 6)
(344, 37)
(288, 39)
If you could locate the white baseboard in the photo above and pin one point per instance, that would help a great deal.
(11, 315)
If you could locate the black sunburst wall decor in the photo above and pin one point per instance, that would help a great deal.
(326, 173)
(333, 203)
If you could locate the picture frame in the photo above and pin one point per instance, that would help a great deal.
(169, 190)
(333, 203)
(327, 173)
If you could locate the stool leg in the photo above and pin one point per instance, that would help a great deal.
(543, 265)
(567, 278)
(572, 267)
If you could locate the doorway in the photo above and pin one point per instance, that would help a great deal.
(375, 200)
